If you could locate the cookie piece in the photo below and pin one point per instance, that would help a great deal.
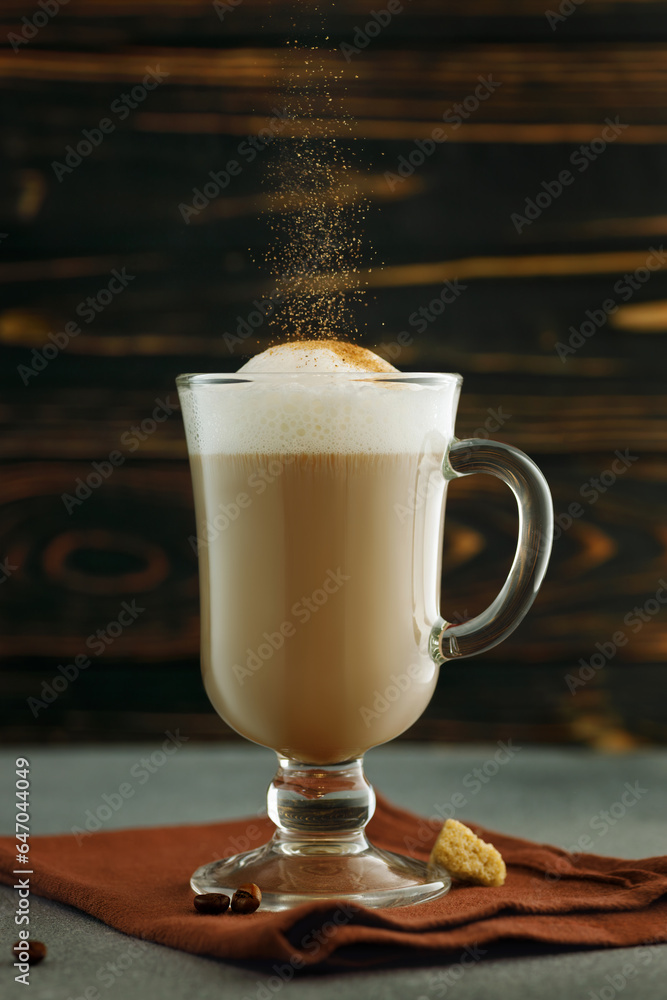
(466, 856)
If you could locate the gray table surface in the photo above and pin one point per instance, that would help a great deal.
(551, 795)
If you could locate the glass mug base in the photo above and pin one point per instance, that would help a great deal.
(370, 877)
(320, 850)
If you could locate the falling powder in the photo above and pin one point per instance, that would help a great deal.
(318, 212)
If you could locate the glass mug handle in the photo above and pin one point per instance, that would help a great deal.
(464, 458)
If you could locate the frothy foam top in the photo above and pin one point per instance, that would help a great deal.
(317, 355)
(319, 414)
(318, 397)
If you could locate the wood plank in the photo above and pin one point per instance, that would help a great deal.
(196, 8)
(129, 539)
(566, 86)
(398, 276)
(89, 424)
(486, 702)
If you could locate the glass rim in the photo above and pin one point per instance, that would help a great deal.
(198, 379)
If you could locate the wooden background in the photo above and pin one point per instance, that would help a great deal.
(65, 575)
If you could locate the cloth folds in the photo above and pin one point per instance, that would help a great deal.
(138, 882)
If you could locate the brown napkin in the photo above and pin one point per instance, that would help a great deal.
(138, 882)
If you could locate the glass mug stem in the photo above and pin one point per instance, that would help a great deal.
(319, 802)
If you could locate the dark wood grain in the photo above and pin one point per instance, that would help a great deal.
(547, 92)
(526, 292)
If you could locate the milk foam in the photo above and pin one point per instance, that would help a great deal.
(319, 412)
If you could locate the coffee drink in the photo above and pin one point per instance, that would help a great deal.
(318, 502)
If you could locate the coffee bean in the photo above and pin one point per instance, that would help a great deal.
(247, 898)
(36, 951)
(211, 902)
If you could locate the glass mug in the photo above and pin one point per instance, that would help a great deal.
(320, 502)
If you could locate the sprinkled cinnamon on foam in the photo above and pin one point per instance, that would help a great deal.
(317, 355)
